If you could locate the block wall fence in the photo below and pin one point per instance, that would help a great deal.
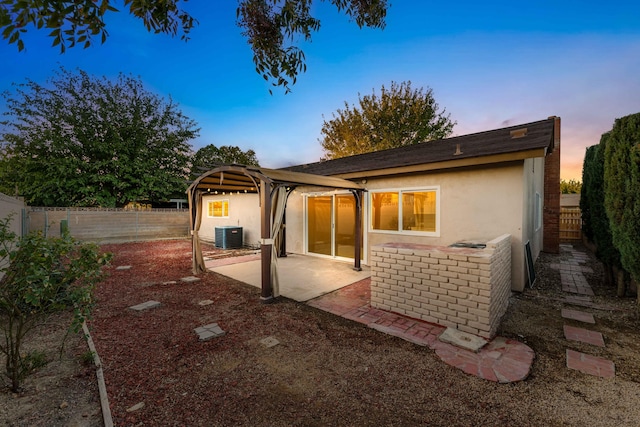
(111, 225)
(467, 289)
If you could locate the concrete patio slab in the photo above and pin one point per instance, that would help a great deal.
(301, 277)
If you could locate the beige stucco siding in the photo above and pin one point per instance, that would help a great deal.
(244, 211)
(533, 183)
(475, 204)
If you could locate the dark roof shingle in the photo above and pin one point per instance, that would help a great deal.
(539, 135)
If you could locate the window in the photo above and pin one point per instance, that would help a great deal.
(407, 211)
(538, 212)
(218, 209)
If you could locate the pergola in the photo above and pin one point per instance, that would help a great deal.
(273, 187)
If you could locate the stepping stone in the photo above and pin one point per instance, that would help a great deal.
(591, 365)
(580, 316)
(136, 407)
(206, 332)
(123, 267)
(190, 279)
(205, 302)
(145, 306)
(583, 335)
(462, 339)
(269, 342)
(170, 282)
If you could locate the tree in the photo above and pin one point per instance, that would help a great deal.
(621, 196)
(40, 276)
(271, 26)
(570, 187)
(86, 141)
(399, 116)
(211, 156)
(595, 222)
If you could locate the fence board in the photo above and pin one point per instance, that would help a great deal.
(570, 224)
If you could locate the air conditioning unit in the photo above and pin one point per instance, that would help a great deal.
(228, 237)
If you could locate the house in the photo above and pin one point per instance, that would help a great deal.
(466, 191)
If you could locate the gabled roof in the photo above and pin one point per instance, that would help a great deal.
(500, 145)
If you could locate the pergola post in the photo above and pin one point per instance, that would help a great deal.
(266, 243)
(357, 194)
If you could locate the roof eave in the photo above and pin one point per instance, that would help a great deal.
(448, 164)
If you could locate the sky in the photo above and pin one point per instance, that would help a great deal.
(489, 64)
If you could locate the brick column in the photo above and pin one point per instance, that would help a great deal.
(551, 210)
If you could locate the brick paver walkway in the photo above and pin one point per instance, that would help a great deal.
(590, 364)
(575, 283)
(501, 360)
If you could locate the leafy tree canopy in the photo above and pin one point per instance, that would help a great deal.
(272, 27)
(399, 116)
(211, 156)
(570, 187)
(87, 141)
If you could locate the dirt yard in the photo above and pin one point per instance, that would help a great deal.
(324, 371)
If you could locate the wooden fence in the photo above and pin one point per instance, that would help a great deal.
(570, 224)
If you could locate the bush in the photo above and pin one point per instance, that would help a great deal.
(40, 276)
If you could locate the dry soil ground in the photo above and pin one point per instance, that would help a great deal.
(325, 371)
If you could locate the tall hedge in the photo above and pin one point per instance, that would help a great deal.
(586, 192)
(594, 215)
(622, 190)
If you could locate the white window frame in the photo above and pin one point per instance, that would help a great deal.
(537, 221)
(400, 191)
(214, 201)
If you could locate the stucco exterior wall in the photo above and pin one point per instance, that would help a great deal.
(244, 211)
(533, 214)
(475, 204)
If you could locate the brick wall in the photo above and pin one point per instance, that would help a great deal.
(463, 288)
(551, 211)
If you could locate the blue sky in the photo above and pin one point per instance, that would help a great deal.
(490, 64)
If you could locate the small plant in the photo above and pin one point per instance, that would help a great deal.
(40, 276)
(87, 358)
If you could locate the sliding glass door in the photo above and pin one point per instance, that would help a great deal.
(331, 225)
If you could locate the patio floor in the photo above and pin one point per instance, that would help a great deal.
(335, 287)
(301, 277)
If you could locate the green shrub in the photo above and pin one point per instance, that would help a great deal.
(622, 190)
(40, 276)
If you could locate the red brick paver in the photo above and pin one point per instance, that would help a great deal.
(502, 360)
(583, 335)
(591, 365)
(580, 316)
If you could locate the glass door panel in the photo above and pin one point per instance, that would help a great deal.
(345, 226)
(319, 211)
